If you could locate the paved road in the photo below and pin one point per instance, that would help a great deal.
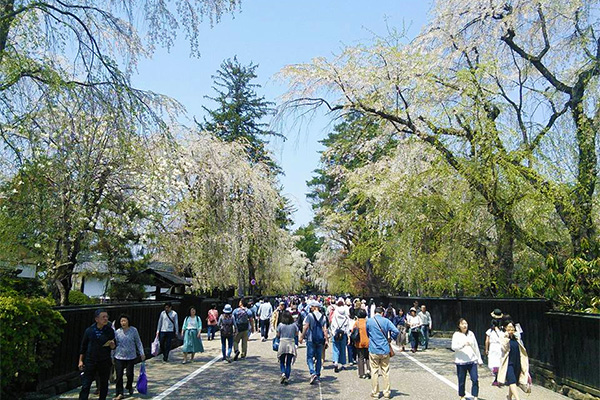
(426, 375)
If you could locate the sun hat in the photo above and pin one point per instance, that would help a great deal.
(315, 303)
(497, 313)
(227, 309)
(340, 301)
(413, 309)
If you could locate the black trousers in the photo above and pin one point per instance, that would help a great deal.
(165, 339)
(102, 368)
(121, 366)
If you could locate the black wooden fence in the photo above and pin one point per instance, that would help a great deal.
(144, 316)
(567, 344)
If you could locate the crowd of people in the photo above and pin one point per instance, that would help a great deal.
(357, 332)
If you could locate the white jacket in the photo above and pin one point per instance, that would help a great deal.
(466, 348)
(340, 320)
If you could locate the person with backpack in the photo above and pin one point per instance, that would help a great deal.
(340, 330)
(211, 322)
(244, 323)
(192, 331)
(226, 326)
(315, 331)
(378, 330)
(360, 339)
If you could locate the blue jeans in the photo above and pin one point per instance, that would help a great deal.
(425, 336)
(229, 340)
(351, 353)
(210, 331)
(461, 371)
(414, 338)
(285, 364)
(313, 354)
(339, 350)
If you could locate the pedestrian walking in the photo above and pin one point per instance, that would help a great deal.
(414, 326)
(211, 322)
(340, 330)
(192, 335)
(362, 345)
(380, 331)
(227, 328)
(128, 348)
(94, 355)
(425, 326)
(167, 330)
(466, 358)
(514, 369)
(400, 323)
(244, 324)
(493, 348)
(287, 332)
(265, 311)
(316, 334)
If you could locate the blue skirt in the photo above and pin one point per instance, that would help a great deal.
(191, 342)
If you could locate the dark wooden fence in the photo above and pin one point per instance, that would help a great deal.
(144, 316)
(566, 344)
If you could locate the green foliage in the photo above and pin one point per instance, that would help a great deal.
(240, 111)
(572, 287)
(11, 285)
(78, 298)
(30, 331)
(308, 241)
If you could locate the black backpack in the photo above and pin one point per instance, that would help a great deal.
(241, 320)
(227, 326)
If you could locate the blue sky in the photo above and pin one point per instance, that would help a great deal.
(273, 34)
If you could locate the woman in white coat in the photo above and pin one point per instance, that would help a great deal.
(514, 369)
(466, 358)
(340, 331)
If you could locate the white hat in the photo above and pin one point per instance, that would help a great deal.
(340, 300)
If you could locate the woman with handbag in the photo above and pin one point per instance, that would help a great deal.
(400, 322)
(514, 369)
(129, 347)
(192, 329)
(466, 358)
(340, 330)
(287, 332)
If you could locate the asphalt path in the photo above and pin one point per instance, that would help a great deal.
(425, 375)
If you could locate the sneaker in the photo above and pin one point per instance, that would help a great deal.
(313, 378)
(229, 359)
(282, 378)
(236, 356)
(263, 340)
(131, 392)
(368, 376)
(184, 362)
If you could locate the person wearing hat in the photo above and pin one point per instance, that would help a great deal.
(414, 327)
(340, 330)
(227, 328)
(497, 314)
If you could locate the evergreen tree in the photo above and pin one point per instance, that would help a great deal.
(240, 111)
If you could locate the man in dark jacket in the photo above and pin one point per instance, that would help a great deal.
(94, 355)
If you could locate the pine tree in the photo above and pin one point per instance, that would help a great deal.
(240, 111)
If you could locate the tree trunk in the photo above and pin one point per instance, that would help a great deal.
(6, 8)
(505, 254)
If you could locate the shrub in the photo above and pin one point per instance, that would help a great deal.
(78, 298)
(31, 329)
